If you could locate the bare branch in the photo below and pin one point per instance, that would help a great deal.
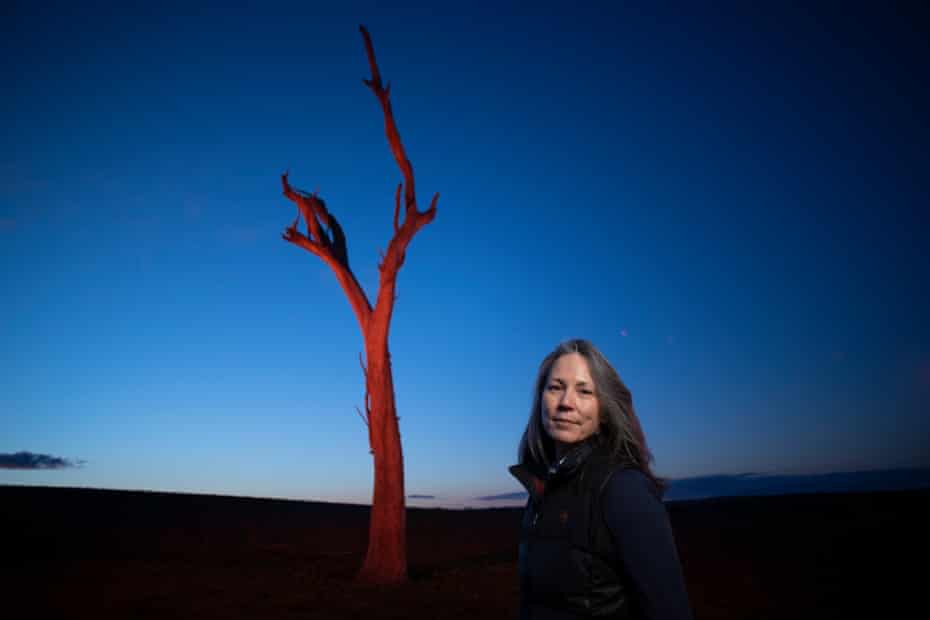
(432, 205)
(390, 127)
(413, 220)
(318, 206)
(333, 251)
(369, 49)
(301, 240)
(310, 207)
(313, 208)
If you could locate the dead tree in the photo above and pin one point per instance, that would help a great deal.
(386, 559)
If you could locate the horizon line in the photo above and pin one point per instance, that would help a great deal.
(517, 498)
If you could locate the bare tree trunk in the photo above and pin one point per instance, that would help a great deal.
(386, 560)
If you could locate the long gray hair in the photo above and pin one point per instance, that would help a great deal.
(618, 429)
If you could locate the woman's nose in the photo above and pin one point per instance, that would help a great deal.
(568, 398)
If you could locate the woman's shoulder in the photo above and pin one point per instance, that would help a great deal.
(631, 486)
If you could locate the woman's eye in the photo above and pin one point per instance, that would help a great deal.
(553, 388)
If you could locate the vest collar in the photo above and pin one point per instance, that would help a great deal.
(560, 470)
(566, 466)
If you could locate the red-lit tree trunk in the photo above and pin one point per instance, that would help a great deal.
(386, 560)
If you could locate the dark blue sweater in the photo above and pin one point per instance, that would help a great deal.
(638, 522)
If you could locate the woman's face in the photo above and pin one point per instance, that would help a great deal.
(570, 409)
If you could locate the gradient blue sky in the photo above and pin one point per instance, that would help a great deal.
(732, 204)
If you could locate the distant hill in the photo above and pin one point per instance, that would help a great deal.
(766, 484)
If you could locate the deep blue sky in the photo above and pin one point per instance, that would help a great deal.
(731, 203)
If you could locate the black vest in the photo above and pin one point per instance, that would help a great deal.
(567, 557)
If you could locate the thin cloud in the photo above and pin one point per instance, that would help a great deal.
(28, 460)
(505, 496)
(421, 497)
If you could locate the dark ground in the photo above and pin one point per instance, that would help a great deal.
(74, 553)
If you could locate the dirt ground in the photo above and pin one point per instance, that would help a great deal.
(77, 553)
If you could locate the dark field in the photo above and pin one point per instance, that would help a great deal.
(72, 553)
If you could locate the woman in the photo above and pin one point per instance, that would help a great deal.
(596, 540)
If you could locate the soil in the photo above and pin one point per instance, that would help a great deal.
(84, 553)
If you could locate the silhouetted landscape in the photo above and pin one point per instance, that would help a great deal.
(82, 553)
